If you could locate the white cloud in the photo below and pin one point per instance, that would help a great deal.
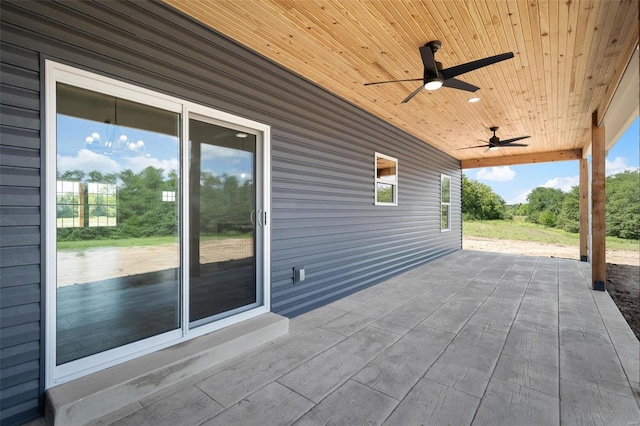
(139, 163)
(87, 161)
(563, 183)
(618, 165)
(499, 174)
(521, 198)
(214, 152)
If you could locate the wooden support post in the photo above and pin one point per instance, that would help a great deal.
(584, 210)
(598, 232)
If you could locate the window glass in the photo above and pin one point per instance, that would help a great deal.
(117, 247)
(445, 203)
(384, 193)
(444, 217)
(386, 180)
(222, 213)
(68, 204)
(446, 189)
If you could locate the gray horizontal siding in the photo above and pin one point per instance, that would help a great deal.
(21, 363)
(322, 215)
(335, 231)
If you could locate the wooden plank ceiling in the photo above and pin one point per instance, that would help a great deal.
(569, 58)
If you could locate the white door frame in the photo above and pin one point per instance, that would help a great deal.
(56, 72)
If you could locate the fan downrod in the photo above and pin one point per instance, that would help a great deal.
(434, 45)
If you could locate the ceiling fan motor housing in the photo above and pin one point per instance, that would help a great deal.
(494, 140)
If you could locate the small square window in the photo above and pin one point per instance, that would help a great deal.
(168, 196)
(80, 204)
(386, 180)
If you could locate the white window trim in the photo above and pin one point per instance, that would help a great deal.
(377, 180)
(56, 72)
(442, 176)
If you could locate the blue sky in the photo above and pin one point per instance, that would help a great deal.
(513, 183)
(80, 146)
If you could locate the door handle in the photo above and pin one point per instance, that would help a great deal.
(260, 218)
(252, 217)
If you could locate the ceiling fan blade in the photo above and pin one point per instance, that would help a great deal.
(514, 144)
(508, 141)
(415, 92)
(392, 81)
(459, 84)
(428, 61)
(470, 66)
(470, 147)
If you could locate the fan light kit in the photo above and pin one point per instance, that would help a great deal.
(435, 76)
(433, 85)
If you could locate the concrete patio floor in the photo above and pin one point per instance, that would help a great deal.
(473, 338)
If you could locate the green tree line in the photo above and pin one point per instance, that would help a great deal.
(224, 205)
(479, 202)
(554, 208)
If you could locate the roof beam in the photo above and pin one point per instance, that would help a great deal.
(540, 157)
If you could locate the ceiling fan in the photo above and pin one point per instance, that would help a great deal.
(495, 143)
(436, 77)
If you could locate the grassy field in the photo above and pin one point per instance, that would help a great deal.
(518, 229)
(132, 242)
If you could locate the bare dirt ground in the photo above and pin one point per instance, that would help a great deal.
(81, 266)
(623, 284)
(623, 269)
(531, 248)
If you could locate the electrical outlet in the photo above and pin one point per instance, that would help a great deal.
(298, 274)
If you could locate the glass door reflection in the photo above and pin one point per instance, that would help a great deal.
(117, 240)
(222, 241)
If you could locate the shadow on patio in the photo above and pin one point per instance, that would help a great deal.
(471, 338)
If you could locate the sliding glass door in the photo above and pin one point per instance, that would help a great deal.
(156, 221)
(222, 211)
